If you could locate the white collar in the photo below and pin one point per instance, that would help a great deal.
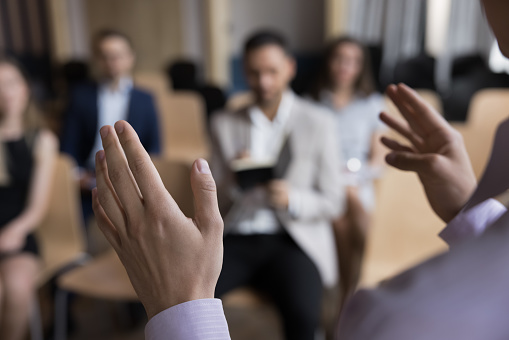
(283, 111)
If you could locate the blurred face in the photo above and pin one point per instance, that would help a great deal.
(346, 65)
(14, 92)
(497, 12)
(115, 57)
(269, 71)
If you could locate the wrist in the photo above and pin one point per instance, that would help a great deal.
(156, 304)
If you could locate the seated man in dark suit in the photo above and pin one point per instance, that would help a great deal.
(113, 97)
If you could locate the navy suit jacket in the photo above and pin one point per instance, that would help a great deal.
(80, 128)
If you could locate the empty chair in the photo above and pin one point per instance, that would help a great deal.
(393, 246)
(184, 127)
(60, 236)
(487, 110)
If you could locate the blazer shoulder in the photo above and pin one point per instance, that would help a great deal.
(142, 94)
(227, 117)
(315, 115)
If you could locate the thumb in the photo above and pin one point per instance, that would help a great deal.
(207, 215)
(409, 161)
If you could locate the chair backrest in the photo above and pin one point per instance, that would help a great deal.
(404, 230)
(175, 176)
(487, 110)
(155, 82)
(184, 127)
(61, 235)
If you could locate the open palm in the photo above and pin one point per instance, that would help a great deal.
(436, 152)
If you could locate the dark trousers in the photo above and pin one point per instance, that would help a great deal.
(277, 266)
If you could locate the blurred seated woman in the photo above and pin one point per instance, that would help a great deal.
(346, 87)
(27, 155)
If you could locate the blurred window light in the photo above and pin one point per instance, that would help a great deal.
(437, 25)
(498, 62)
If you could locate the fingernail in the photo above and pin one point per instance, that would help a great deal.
(119, 127)
(104, 131)
(203, 166)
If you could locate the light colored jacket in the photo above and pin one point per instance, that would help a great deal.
(313, 176)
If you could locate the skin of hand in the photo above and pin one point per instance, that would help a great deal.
(170, 258)
(244, 154)
(12, 238)
(279, 194)
(436, 152)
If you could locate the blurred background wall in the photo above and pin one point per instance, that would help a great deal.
(441, 45)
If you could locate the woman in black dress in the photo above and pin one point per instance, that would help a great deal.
(27, 156)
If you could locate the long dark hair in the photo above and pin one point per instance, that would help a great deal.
(365, 84)
(32, 120)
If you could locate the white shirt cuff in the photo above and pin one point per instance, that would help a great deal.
(198, 319)
(473, 222)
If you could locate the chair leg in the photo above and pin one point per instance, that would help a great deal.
(61, 300)
(36, 332)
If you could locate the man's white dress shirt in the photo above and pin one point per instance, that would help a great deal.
(113, 105)
(253, 215)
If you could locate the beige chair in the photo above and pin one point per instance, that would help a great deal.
(487, 110)
(184, 127)
(404, 230)
(104, 277)
(155, 82)
(60, 236)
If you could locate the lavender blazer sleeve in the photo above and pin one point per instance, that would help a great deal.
(460, 294)
(193, 320)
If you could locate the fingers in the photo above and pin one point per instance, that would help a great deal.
(207, 215)
(421, 117)
(409, 161)
(429, 119)
(395, 146)
(145, 174)
(405, 109)
(402, 128)
(103, 222)
(106, 194)
(119, 174)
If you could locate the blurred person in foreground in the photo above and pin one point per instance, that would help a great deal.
(27, 157)
(345, 86)
(113, 97)
(279, 236)
(461, 294)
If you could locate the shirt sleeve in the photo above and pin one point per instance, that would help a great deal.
(194, 320)
(473, 222)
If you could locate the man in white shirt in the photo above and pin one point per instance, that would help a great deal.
(278, 232)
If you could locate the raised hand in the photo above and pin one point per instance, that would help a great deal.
(436, 152)
(170, 258)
